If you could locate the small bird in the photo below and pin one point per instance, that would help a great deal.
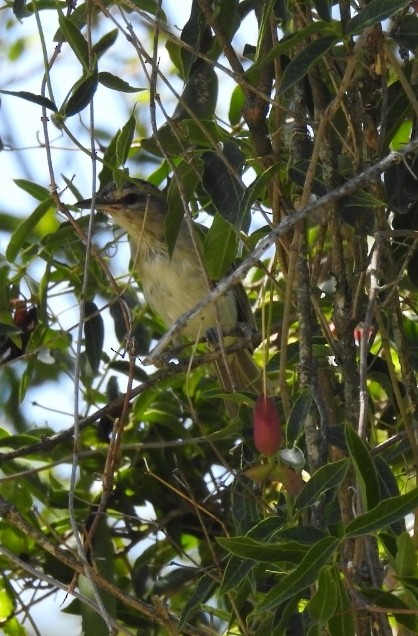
(173, 285)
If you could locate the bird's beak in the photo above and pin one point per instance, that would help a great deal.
(84, 204)
(99, 204)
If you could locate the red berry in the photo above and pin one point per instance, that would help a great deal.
(267, 432)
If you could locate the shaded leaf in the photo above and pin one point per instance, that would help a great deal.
(300, 65)
(81, 95)
(326, 477)
(324, 602)
(289, 42)
(124, 140)
(391, 603)
(222, 181)
(188, 176)
(235, 572)
(31, 97)
(293, 584)
(385, 513)
(261, 551)
(374, 12)
(364, 468)
(105, 43)
(76, 40)
(94, 334)
(342, 621)
(298, 415)
(24, 229)
(219, 248)
(117, 83)
(198, 99)
(204, 589)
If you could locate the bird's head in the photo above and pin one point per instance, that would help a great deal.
(135, 204)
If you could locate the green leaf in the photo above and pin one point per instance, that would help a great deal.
(105, 43)
(81, 95)
(406, 562)
(324, 602)
(117, 83)
(34, 189)
(323, 8)
(342, 622)
(124, 140)
(262, 551)
(199, 95)
(76, 40)
(20, 10)
(387, 512)
(289, 42)
(326, 477)
(31, 97)
(7, 329)
(301, 64)
(236, 106)
(94, 335)
(219, 248)
(23, 231)
(374, 12)
(364, 468)
(390, 602)
(188, 175)
(303, 576)
(298, 416)
(200, 595)
(235, 572)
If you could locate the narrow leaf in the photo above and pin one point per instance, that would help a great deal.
(326, 477)
(220, 247)
(124, 140)
(288, 43)
(76, 40)
(81, 95)
(386, 513)
(23, 231)
(324, 602)
(364, 468)
(31, 97)
(94, 335)
(302, 577)
(301, 64)
(342, 622)
(262, 551)
(298, 416)
(392, 602)
(373, 13)
(117, 83)
(34, 189)
(406, 564)
(235, 572)
(105, 43)
(200, 595)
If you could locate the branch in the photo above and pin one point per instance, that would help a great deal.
(294, 217)
(11, 515)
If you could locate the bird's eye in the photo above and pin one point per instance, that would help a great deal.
(131, 198)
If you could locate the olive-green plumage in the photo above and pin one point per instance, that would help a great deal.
(174, 285)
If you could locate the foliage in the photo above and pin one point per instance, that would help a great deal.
(154, 509)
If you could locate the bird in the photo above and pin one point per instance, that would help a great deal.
(173, 284)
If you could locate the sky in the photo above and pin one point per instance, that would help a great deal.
(25, 158)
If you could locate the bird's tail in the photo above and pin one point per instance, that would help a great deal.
(241, 373)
